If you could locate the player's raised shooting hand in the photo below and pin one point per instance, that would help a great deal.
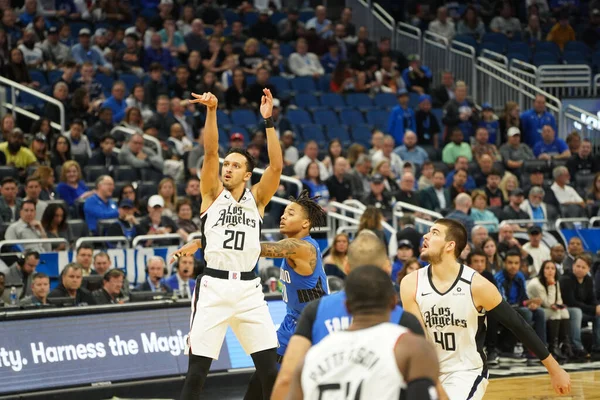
(266, 104)
(561, 381)
(206, 98)
(189, 249)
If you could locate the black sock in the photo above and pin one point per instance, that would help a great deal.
(261, 383)
(196, 376)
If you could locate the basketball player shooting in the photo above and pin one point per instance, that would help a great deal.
(374, 358)
(228, 293)
(450, 301)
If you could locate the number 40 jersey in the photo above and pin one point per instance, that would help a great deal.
(231, 232)
(452, 322)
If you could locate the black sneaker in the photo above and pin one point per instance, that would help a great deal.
(512, 358)
(492, 358)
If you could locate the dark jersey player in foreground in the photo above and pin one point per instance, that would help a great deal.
(373, 358)
(451, 300)
(329, 314)
(229, 294)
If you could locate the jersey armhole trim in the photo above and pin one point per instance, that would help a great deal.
(417, 286)
(479, 313)
(213, 202)
(256, 204)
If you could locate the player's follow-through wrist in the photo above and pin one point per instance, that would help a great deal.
(269, 122)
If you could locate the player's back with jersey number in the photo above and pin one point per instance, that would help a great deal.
(332, 316)
(231, 232)
(452, 322)
(358, 364)
(299, 290)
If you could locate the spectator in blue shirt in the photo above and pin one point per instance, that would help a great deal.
(401, 118)
(410, 152)
(83, 51)
(534, 120)
(100, 205)
(320, 23)
(461, 163)
(183, 280)
(71, 187)
(417, 77)
(550, 146)
(117, 102)
(331, 59)
(157, 54)
(29, 12)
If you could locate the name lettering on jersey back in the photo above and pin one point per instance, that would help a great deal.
(441, 317)
(337, 324)
(360, 356)
(234, 215)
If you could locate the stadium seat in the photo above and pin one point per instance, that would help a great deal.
(6, 170)
(575, 57)
(386, 100)
(596, 61)
(314, 132)
(223, 118)
(583, 181)
(325, 83)
(413, 99)
(230, 16)
(492, 46)
(299, 117)
(263, 49)
(518, 47)
(286, 49)
(77, 228)
(518, 56)
(82, 159)
(577, 46)
(54, 76)
(103, 224)
(30, 100)
(243, 117)
(125, 173)
(306, 15)
(38, 76)
(147, 189)
(362, 134)
(544, 58)
(303, 84)
(250, 18)
(278, 16)
(498, 38)
(151, 175)
(326, 117)
(533, 165)
(548, 47)
(351, 116)
(379, 118)
(339, 132)
(93, 172)
(440, 165)
(106, 82)
(332, 100)
(466, 39)
(359, 100)
(130, 80)
(306, 100)
(281, 84)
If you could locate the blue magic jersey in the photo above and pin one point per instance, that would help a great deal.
(298, 290)
(332, 316)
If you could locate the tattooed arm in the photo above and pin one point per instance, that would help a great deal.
(301, 255)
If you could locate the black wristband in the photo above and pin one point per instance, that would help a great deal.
(269, 122)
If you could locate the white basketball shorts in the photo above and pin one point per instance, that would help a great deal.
(464, 385)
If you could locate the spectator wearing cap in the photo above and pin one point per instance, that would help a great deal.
(417, 77)
(87, 81)
(461, 113)
(155, 86)
(83, 51)
(505, 22)
(404, 252)
(156, 53)
(428, 128)
(126, 224)
(480, 214)
(236, 140)
(591, 34)
(16, 154)
(105, 156)
(456, 148)
(443, 25)
(70, 286)
(436, 197)
(514, 153)
(535, 119)
(379, 197)
(537, 249)
(129, 58)
(461, 211)
(583, 162)
(303, 63)
(156, 223)
(410, 151)
(138, 156)
(490, 122)
(550, 146)
(387, 152)
(39, 148)
(116, 102)
(100, 205)
(55, 52)
(101, 43)
(564, 193)
(513, 209)
(10, 203)
(320, 23)
(402, 117)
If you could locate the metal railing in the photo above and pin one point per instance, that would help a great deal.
(407, 38)
(361, 14)
(398, 213)
(383, 23)
(565, 80)
(12, 104)
(463, 64)
(596, 84)
(498, 58)
(33, 241)
(355, 203)
(435, 55)
(593, 220)
(100, 239)
(163, 236)
(586, 123)
(525, 71)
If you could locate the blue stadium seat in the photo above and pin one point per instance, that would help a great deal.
(386, 100)
(596, 60)
(379, 118)
(230, 16)
(413, 99)
(263, 49)
(7, 170)
(332, 100)
(130, 80)
(250, 18)
(243, 117)
(306, 100)
(492, 46)
(314, 132)
(306, 15)
(54, 76)
(518, 47)
(545, 58)
(38, 76)
(106, 82)
(277, 16)
(299, 117)
(577, 46)
(339, 132)
(27, 99)
(362, 134)
(281, 84)
(518, 56)
(351, 116)
(359, 100)
(286, 49)
(575, 57)
(250, 80)
(498, 38)
(326, 117)
(547, 47)
(325, 83)
(223, 118)
(438, 113)
(466, 39)
(303, 84)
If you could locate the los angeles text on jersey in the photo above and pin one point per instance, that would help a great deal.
(234, 215)
(441, 317)
(359, 356)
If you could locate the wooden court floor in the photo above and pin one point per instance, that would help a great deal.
(585, 385)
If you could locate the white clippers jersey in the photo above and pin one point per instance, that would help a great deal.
(355, 365)
(231, 232)
(452, 322)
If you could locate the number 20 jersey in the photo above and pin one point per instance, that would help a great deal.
(452, 322)
(231, 232)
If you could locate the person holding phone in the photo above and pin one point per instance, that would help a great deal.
(547, 288)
